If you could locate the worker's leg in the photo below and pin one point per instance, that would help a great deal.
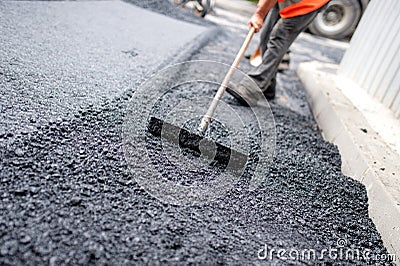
(269, 23)
(282, 36)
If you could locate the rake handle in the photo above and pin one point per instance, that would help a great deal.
(206, 120)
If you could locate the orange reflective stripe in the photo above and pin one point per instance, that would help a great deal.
(301, 8)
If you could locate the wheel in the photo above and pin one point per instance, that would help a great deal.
(202, 7)
(338, 20)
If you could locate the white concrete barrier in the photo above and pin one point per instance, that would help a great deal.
(373, 59)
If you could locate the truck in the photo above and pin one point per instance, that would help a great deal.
(339, 19)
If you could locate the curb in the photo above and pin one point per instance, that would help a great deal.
(365, 156)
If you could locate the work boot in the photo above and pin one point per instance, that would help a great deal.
(246, 97)
(241, 94)
(269, 93)
(245, 92)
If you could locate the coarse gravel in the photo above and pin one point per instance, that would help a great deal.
(67, 195)
(57, 57)
(168, 8)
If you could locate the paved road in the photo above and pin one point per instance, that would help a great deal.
(67, 195)
(56, 57)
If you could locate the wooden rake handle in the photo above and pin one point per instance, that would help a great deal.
(206, 120)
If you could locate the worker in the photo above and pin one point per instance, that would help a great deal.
(269, 22)
(295, 16)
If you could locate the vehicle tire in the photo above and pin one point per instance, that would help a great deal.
(338, 20)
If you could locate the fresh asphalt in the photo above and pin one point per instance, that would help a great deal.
(57, 57)
(67, 195)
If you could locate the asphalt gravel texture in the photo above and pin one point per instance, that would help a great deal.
(52, 63)
(68, 197)
(166, 7)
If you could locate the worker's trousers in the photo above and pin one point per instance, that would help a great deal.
(281, 33)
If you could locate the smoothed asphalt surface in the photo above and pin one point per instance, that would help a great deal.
(58, 57)
(67, 195)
